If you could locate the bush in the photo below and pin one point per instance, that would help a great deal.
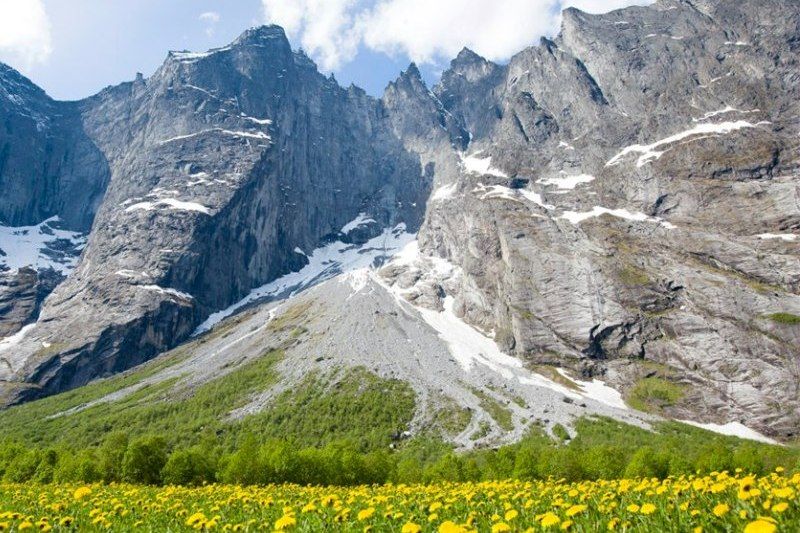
(77, 467)
(144, 460)
(110, 456)
(648, 462)
(192, 466)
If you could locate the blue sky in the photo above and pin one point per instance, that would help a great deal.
(74, 48)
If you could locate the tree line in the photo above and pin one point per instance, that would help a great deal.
(151, 460)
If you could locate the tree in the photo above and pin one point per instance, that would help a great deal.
(110, 456)
(191, 466)
(144, 459)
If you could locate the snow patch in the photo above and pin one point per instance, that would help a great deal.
(734, 429)
(788, 237)
(443, 193)
(361, 220)
(723, 111)
(171, 292)
(323, 263)
(245, 134)
(577, 217)
(261, 121)
(40, 246)
(567, 182)
(190, 57)
(599, 391)
(650, 152)
(480, 165)
(507, 193)
(469, 347)
(170, 204)
(9, 342)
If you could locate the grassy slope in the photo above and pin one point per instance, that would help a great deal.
(358, 406)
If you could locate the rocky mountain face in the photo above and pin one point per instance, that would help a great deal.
(620, 203)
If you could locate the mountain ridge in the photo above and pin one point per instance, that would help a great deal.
(589, 214)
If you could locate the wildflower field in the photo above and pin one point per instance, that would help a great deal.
(717, 502)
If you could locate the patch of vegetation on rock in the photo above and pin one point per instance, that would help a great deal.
(654, 394)
(788, 319)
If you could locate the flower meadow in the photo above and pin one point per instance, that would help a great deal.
(720, 501)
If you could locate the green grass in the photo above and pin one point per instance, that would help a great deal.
(361, 407)
(633, 275)
(180, 419)
(654, 394)
(785, 318)
(451, 419)
(502, 415)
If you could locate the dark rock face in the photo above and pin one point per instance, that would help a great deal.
(222, 165)
(48, 165)
(21, 296)
(620, 199)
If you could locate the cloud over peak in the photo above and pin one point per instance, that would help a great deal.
(332, 31)
(25, 39)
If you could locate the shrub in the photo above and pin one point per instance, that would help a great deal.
(192, 466)
(144, 459)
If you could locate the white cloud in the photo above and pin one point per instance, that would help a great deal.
(427, 31)
(325, 28)
(211, 18)
(24, 33)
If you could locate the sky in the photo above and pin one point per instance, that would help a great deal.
(74, 48)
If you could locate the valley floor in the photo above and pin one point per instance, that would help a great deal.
(718, 502)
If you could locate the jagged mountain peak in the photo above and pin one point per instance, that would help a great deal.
(262, 33)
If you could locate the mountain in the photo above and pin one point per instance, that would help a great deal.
(608, 224)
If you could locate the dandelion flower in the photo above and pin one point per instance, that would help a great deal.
(721, 509)
(762, 525)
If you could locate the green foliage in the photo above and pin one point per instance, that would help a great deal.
(502, 415)
(785, 318)
(653, 394)
(144, 459)
(361, 408)
(192, 466)
(561, 432)
(602, 449)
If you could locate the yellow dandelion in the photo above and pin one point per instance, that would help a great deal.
(449, 526)
(365, 514)
(633, 508)
(411, 527)
(549, 519)
(576, 509)
(761, 525)
(81, 492)
(647, 508)
(500, 527)
(285, 522)
(780, 507)
(196, 518)
(721, 509)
